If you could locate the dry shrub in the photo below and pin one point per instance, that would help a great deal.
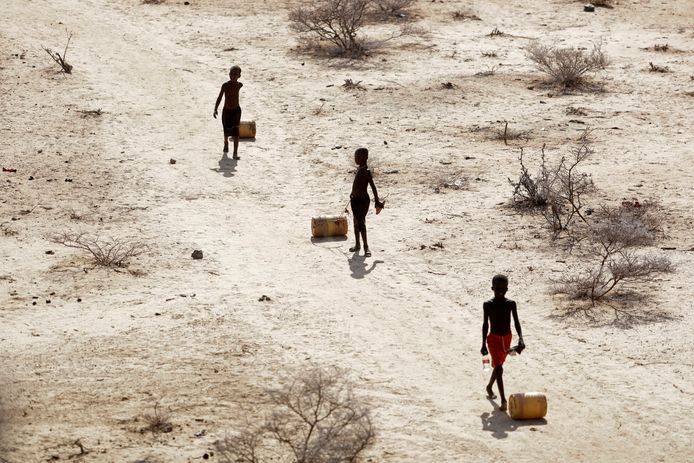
(661, 47)
(602, 3)
(463, 15)
(157, 422)
(109, 252)
(558, 189)
(152, 2)
(488, 72)
(64, 65)
(576, 111)
(505, 133)
(352, 85)
(386, 9)
(333, 21)
(316, 418)
(567, 67)
(495, 32)
(656, 68)
(613, 238)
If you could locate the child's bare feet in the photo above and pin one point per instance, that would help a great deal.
(355, 248)
(490, 393)
(367, 253)
(235, 156)
(226, 149)
(503, 406)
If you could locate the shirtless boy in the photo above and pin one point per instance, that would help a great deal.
(359, 199)
(231, 113)
(497, 312)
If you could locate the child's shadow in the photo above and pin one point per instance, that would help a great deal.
(359, 268)
(500, 424)
(227, 166)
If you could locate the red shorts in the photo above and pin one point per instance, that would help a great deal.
(498, 347)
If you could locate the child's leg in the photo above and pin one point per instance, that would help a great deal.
(236, 146)
(226, 142)
(367, 253)
(492, 378)
(500, 383)
(357, 227)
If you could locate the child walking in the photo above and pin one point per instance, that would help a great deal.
(359, 199)
(231, 113)
(498, 312)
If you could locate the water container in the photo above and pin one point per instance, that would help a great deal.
(527, 406)
(247, 129)
(329, 226)
(486, 363)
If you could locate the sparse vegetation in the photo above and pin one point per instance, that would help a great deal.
(656, 68)
(316, 418)
(602, 3)
(557, 189)
(567, 67)
(574, 111)
(386, 9)
(113, 252)
(56, 56)
(489, 54)
(462, 15)
(495, 32)
(607, 241)
(612, 241)
(352, 85)
(157, 422)
(661, 47)
(487, 73)
(335, 21)
(507, 134)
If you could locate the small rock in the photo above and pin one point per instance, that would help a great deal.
(31, 177)
(172, 161)
(69, 180)
(50, 253)
(79, 299)
(157, 313)
(588, 8)
(197, 254)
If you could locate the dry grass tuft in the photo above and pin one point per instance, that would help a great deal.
(656, 68)
(567, 67)
(113, 252)
(157, 422)
(64, 65)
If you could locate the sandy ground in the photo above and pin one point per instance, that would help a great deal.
(87, 351)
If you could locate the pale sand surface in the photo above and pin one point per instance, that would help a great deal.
(406, 321)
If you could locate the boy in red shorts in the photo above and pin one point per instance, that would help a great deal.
(497, 312)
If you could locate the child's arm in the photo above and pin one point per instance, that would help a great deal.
(219, 99)
(373, 187)
(485, 330)
(516, 322)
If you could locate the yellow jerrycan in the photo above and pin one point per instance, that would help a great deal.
(329, 226)
(527, 406)
(247, 129)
